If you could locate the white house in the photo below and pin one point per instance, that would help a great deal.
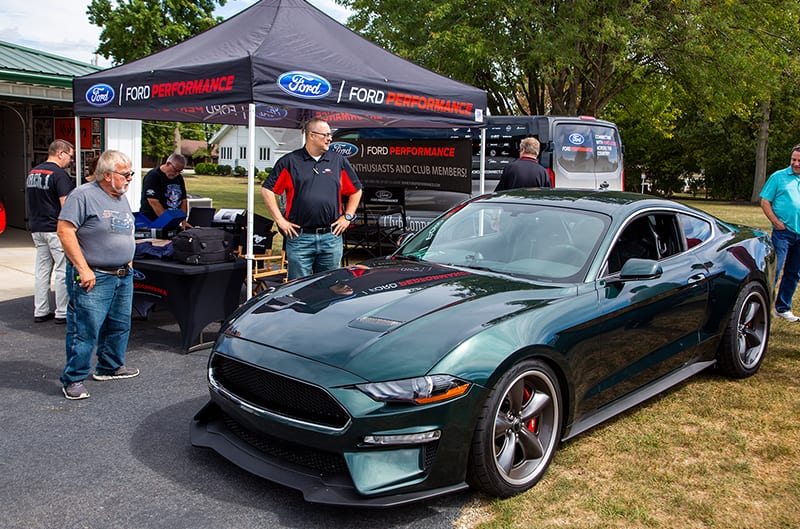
(271, 144)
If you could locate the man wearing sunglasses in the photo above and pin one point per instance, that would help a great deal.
(46, 188)
(96, 229)
(322, 194)
(163, 188)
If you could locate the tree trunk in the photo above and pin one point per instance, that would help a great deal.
(178, 138)
(761, 152)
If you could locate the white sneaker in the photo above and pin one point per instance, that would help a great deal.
(788, 316)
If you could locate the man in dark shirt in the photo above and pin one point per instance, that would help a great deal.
(163, 188)
(315, 181)
(526, 171)
(46, 188)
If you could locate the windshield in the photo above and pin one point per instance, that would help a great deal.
(531, 240)
(586, 152)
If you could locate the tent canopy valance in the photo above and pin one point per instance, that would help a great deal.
(290, 60)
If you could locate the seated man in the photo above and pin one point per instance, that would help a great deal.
(163, 188)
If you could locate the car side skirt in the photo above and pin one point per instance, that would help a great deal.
(635, 398)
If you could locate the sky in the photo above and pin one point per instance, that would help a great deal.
(61, 27)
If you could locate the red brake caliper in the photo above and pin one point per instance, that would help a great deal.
(531, 425)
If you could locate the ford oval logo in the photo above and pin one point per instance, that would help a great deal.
(383, 194)
(304, 85)
(343, 148)
(100, 95)
(576, 139)
(138, 276)
(271, 113)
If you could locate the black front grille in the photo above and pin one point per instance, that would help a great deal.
(299, 455)
(277, 393)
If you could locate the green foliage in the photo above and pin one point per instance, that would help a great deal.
(205, 168)
(239, 171)
(224, 170)
(667, 72)
(158, 140)
(132, 29)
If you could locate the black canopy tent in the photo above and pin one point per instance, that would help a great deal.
(278, 63)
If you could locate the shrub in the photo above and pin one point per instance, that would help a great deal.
(206, 168)
(240, 171)
(224, 170)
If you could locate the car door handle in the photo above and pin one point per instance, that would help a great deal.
(697, 277)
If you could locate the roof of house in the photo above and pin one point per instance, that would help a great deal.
(189, 147)
(291, 138)
(26, 65)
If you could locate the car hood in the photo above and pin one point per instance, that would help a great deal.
(391, 320)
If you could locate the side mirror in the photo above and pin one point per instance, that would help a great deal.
(637, 269)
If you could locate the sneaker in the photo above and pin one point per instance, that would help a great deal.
(122, 372)
(42, 319)
(59, 321)
(787, 315)
(75, 391)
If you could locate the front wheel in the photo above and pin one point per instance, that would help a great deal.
(517, 432)
(745, 340)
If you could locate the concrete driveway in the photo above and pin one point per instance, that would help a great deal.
(122, 458)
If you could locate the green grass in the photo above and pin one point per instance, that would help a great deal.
(226, 191)
(229, 192)
(711, 453)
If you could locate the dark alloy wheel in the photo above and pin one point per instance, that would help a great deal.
(745, 340)
(518, 431)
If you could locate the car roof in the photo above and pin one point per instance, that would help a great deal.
(613, 203)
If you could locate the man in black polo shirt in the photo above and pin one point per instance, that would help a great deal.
(315, 181)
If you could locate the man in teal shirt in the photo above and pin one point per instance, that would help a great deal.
(780, 201)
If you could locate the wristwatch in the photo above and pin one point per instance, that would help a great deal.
(350, 218)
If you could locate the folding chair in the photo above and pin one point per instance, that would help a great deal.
(269, 266)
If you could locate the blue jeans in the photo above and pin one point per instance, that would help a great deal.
(100, 318)
(309, 253)
(787, 251)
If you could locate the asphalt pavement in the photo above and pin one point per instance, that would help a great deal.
(122, 458)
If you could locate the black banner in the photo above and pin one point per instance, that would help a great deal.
(443, 164)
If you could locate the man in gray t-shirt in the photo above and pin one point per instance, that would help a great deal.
(96, 229)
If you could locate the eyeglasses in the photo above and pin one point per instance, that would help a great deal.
(69, 155)
(327, 135)
(178, 170)
(129, 174)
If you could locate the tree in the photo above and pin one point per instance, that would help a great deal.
(559, 57)
(719, 62)
(136, 28)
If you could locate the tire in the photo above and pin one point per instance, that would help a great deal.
(517, 432)
(744, 341)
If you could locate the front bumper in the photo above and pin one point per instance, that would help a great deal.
(322, 477)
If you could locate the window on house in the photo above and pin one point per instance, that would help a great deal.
(226, 153)
(243, 153)
(263, 154)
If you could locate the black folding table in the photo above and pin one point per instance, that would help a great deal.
(195, 294)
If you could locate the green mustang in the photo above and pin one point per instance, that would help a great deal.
(512, 322)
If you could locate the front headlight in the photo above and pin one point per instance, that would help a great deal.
(419, 390)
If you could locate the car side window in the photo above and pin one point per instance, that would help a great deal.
(695, 230)
(653, 236)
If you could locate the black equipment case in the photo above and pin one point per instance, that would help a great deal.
(202, 245)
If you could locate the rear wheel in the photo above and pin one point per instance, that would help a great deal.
(745, 340)
(518, 431)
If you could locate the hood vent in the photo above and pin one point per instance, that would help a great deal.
(372, 323)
